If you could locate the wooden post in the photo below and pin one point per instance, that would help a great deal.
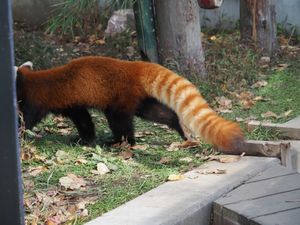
(179, 35)
(145, 27)
(258, 24)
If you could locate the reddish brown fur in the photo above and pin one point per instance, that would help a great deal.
(121, 86)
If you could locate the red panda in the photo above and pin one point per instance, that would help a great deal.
(122, 89)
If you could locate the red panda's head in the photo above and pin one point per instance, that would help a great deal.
(31, 114)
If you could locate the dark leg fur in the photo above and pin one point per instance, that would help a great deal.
(121, 124)
(152, 110)
(83, 122)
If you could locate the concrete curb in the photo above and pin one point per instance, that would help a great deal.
(188, 201)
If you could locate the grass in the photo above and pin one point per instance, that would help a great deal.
(233, 68)
(127, 180)
(74, 17)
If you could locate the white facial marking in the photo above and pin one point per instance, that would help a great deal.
(29, 64)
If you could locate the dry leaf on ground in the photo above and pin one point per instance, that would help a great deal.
(186, 159)
(211, 171)
(143, 133)
(269, 114)
(164, 160)
(247, 104)
(101, 169)
(175, 146)
(126, 154)
(62, 157)
(281, 67)
(175, 177)
(71, 181)
(260, 83)
(225, 104)
(226, 158)
(287, 113)
(34, 171)
(139, 147)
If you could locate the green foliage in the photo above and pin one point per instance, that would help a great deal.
(79, 17)
(74, 17)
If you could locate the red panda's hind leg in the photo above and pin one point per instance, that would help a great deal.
(152, 110)
(121, 125)
(81, 118)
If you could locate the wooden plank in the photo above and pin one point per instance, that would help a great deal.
(262, 188)
(272, 172)
(290, 217)
(267, 205)
(265, 148)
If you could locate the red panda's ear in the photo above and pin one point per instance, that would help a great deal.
(27, 64)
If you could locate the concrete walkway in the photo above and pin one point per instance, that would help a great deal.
(188, 201)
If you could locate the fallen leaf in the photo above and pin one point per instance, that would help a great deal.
(247, 104)
(258, 98)
(281, 67)
(101, 169)
(143, 133)
(186, 159)
(124, 144)
(79, 161)
(239, 119)
(84, 213)
(65, 131)
(71, 181)
(175, 177)
(100, 42)
(62, 157)
(62, 125)
(211, 171)
(265, 59)
(226, 158)
(224, 103)
(164, 160)
(213, 38)
(287, 113)
(175, 146)
(34, 171)
(269, 114)
(261, 83)
(230, 158)
(139, 147)
(126, 154)
(244, 95)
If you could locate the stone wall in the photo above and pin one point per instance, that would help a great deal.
(33, 12)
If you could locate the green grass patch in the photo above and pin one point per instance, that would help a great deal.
(232, 68)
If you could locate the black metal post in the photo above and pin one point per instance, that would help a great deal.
(11, 200)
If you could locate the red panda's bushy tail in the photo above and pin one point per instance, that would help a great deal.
(192, 109)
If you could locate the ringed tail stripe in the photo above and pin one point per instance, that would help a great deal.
(169, 88)
(184, 98)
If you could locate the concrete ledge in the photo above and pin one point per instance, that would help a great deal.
(188, 201)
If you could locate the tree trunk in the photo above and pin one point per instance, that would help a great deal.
(179, 36)
(258, 23)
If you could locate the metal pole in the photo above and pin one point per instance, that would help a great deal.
(11, 201)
